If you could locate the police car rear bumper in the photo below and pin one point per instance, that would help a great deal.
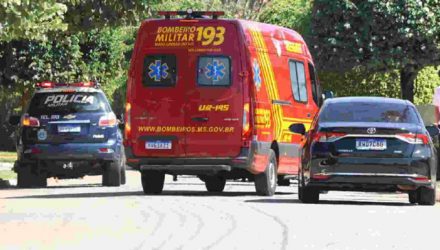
(73, 151)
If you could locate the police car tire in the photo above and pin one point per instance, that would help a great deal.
(426, 196)
(123, 163)
(112, 174)
(266, 182)
(26, 178)
(215, 183)
(152, 181)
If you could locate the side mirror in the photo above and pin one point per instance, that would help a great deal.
(327, 95)
(14, 120)
(433, 130)
(297, 128)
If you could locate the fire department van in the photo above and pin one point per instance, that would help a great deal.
(214, 98)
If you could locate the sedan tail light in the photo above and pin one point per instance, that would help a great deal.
(328, 136)
(413, 138)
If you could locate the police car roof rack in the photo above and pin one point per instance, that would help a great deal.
(190, 14)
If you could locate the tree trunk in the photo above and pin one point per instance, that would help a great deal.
(407, 77)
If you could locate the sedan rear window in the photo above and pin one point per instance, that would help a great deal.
(59, 103)
(368, 112)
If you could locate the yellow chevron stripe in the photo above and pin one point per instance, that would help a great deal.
(271, 83)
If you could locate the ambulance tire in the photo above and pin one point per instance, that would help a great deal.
(152, 181)
(426, 196)
(215, 183)
(27, 178)
(112, 174)
(266, 182)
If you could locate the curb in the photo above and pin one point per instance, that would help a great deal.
(8, 183)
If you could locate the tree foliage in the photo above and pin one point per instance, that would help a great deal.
(377, 35)
(293, 14)
(30, 19)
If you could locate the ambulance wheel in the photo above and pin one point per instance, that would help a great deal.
(426, 196)
(266, 182)
(215, 183)
(28, 177)
(112, 174)
(152, 181)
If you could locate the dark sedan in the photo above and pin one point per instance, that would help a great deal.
(368, 144)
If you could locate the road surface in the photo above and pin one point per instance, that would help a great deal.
(80, 214)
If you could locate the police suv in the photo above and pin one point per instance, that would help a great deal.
(68, 131)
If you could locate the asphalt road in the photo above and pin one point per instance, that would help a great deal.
(80, 214)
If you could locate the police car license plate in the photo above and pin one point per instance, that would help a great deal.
(69, 128)
(371, 144)
(158, 144)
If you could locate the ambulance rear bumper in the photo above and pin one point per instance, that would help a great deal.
(190, 166)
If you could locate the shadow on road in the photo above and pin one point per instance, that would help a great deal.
(140, 193)
(327, 202)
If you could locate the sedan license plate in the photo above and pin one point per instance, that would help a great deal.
(69, 128)
(371, 144)
(158, 145)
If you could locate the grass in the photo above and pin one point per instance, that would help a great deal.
(8, 157)
(7, 175)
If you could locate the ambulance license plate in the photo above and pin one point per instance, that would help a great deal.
(371, 144)
(69, 128)
(158, 144)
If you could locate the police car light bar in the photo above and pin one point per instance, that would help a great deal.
(191, 14)
(48, 85)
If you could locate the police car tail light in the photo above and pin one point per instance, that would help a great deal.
(246, 123)
(29, 121)
(328, 136)
(413, 138)
(108, 120)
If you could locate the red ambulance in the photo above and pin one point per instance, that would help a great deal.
(214, 98)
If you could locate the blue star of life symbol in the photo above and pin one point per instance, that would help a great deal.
(216, 70)
(257, 75)
(158, 70)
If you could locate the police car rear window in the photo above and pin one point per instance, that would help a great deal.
(159, 71)
(214, 71)
(77, 102)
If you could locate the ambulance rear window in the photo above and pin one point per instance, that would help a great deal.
(214, 71)
(159, 71)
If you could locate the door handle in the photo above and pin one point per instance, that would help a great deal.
(308, 114)
(200, 119)
(281, 102)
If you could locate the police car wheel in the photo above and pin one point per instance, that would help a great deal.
(112, 174)
(215, 183)
(27, 177)
(122, 167)
(265, 183)
(152, 181)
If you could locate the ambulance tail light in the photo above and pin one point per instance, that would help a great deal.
(127, 131)
(246, 132)
(108, 120)
(29, 121)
